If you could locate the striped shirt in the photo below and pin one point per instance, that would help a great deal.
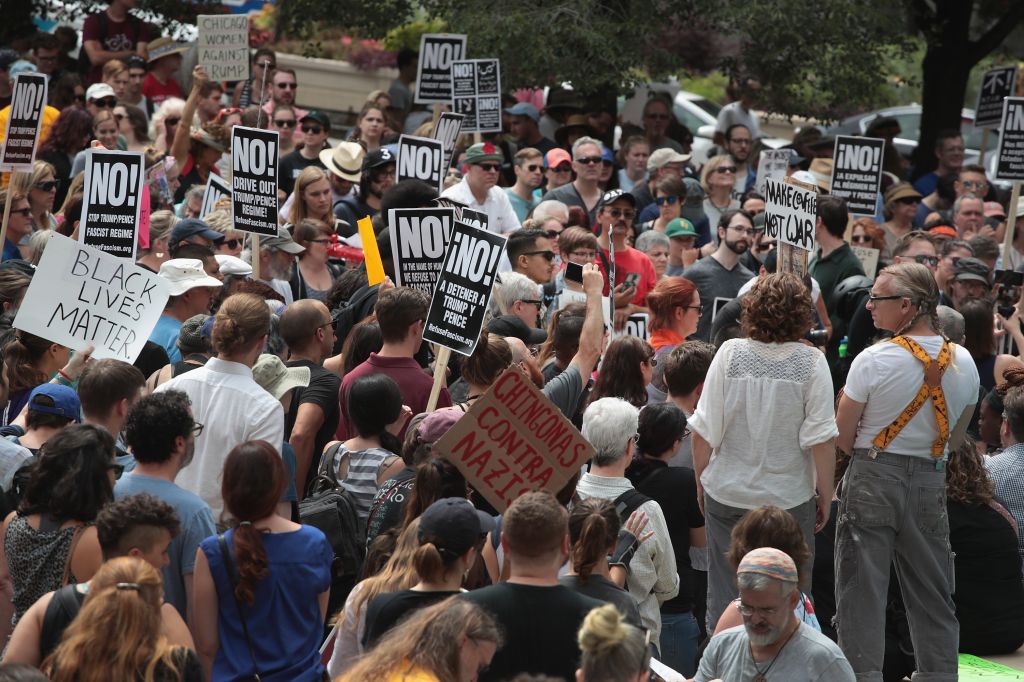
(361, 480)
(1007, 473)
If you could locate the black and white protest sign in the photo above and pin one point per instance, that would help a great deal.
(448, 128)
(996, 85)
(638, 325)
(857, 172)
(254, 180)
(1010, 164)
(112, 197)
(419, 238)
(28, 101)
(476, 93)
(773, 163)
(82, 296)
(463, 290)
(217, 188)
(421, 158)
(790, 214)
(434, 69)
(223, 44)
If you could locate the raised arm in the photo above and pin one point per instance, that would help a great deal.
(183, 135)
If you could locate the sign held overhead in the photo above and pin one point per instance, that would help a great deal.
(111, 202)
(419, 238)
(434, 68)
(790, 214)
(421, 158)
(254, 180)
(448, 128)
(476, 93)
(28, 101)
(1010, 164)
(996, 85)
(223, 44)
(857, 172)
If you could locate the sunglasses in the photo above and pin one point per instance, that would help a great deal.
(927, 260)
(564, 168)
(531, 301)
(553, 234)
(616, 213)
(286, 86)
(725, 169)
(24, 212)
(489, 167)
(232, 243)
(549, 255)
(47, 186)
(906, 201)
(875, 299)
(312, 130)
(589, 160)
(173, 121)
(285, 123)
(652, 361)
(319, 241)
(533, 168)
(860, 239)
(661, 201)
(105, 103)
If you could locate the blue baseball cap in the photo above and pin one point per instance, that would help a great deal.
(524, 109)
(191, 227)
(56, 399)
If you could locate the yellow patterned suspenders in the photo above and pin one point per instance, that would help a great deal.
(930, 387)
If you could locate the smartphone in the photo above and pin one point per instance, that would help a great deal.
(573, 272)
(632, 279)
(1009, 278)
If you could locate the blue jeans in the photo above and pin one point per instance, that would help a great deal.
(679, 637)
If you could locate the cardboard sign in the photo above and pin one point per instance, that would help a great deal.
(476, 93)
(638, 325)
(223, 44)
(790, 214)
(448, 129)
(254, 180)
(419, 238)
(857, 172)
(996, 85)
(216, 189)
(514, 441)
(421, 158)
(81, 296)
(112, 197)
(434, 68)
(1010, 165)
(773, 163)
(463, 289)
(28, 101)
(868, 259)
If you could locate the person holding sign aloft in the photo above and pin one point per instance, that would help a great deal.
(198, 152)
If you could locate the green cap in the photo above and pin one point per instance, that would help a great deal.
(680, 227)
(484, 152)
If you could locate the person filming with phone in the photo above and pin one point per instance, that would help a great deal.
(632, 270)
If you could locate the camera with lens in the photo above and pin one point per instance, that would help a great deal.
(818, 337)
(1008, 291)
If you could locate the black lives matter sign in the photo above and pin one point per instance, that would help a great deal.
(434, 68)
(28, 100)
(476, 94)
(790, 214)
(421, 158)
(1010, 165)
(419, 237)
(447, 130)
(996, 85)
(463, 290)
(254, 180)
(112, 197)
(857, 172)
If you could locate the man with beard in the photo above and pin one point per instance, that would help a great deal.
(772, 643)
(738, 142)
(479, 190)
(160, 431)
(719, 276)
(633, 270)
(277, 259)
(378, 175)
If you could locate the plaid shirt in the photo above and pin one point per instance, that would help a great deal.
(1007, 472)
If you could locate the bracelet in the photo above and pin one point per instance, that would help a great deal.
(65, 377)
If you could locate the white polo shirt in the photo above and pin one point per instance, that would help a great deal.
(501, 218)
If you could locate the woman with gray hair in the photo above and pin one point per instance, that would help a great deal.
(656, 245)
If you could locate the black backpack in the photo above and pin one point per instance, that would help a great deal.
(352, 312)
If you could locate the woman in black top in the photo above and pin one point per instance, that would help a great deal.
(71, 134)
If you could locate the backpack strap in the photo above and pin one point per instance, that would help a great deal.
(229, 568)
(62, 609)
(628, 502)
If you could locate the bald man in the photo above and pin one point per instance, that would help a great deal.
(312, 416)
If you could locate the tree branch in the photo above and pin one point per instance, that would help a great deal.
(996, 34)
(923, 14)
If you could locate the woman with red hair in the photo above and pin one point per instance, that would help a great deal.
(675, 311)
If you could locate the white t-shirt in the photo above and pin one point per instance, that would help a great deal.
(815, 288)
(762, 408)
(733, 114)
(501, 218)
(886, 377)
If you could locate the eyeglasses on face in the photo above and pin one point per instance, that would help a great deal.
(285, 122)
(312, 130)
(47, 186)
(589, 160)
(534, 167)
(118, 469)
(232, 243)
(553, 234)
(105, 103)
(584, 255)
(661, 201)
(173, 121)
(531, 301)
(742, 230)
(286, 86)
(489, 167)
(974, 184)
(860, 239)
(875, 299)
(699, 308)
(548, 255)
(197, 429)
(23, 212)
(927, 260)
(319, 241)
(908, 200)
(725, 169)
(748, 611)
(625, 213)
(564, 168)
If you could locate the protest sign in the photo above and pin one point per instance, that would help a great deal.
(28, 101)
(857, 172)
(419, 237)
(421, 158)
(790, 214)
(216, 189)
(1010, 164)
(996, 85)
(448, 128)
(434, 68)
(112, 197)
(80, 295)
(773, 163)
(868, 258)
(476, 93)
(638, 325)
(254, 180)
(463, 289)
(223, 44)
(514, 441)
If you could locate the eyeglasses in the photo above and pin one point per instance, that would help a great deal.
(927, 260)
(120, 117)
(875, 299)
(549, 255)
(974, 184)
(908, 200)
(742, 230)
(698, 308)
(173, 121)
(118, 469)
(616, 213)
(232, 243)
(285, 123)
(652, 361)
(748, 611)
(564, 168)
(534, 167)
(725, 169)
(23, 212)
(197, 429)
(105, 103)
(286, 86)
(661, 201)
(47, 186)
(589, 160)
(860, 239)
(312, 130)
(329, 324)
(553, 234)
(531, 301)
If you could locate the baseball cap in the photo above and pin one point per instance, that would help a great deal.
(453, 525)
(182, 274)
(993, 209)
(607, 154)
(99, 91)
(233, 265)
(943, 231)
(510, 325)
(283, 241)
(55, 399)
(664, 156)
(377, 158)
(482, 152)
(680, 227)
(190, 337)
(276, 378)
(319, 117)
(524, 109)
(135, 62)
(613, 195)
(21, 66)
(193, 227)
(556, 157)
(972, 268)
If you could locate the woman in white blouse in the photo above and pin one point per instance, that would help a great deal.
(764, 427)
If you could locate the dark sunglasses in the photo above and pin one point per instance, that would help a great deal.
(589, 160)
(25, 212)
(661, 201)
(534, 167)
(286, 86)
(312, 130)
(173, 121)
(531, 301)
(553, 234)
(285, 123)
(616, 213)
(47, 186)
(860, 239)
(908, 200)
(105, 103)
(232, 243)
(927, 260)
(549, 255)
(490, 167)
(266, 65)
(726, 169)
(563, 168)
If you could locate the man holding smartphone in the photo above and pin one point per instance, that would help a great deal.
(632, 270)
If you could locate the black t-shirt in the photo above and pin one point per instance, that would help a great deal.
(351, 209)
(675, 489)
(291, 165)
(322, 391)
(387, 610)
(601, 588)
(389, 503)
(540, 626)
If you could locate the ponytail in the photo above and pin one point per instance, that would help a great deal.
(593, 526)
(435, 479)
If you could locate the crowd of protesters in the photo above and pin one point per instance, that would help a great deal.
(787, 472)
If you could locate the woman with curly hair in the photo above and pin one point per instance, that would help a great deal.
(767, 411)
(625, 371)
(198, 152)
(71, 134)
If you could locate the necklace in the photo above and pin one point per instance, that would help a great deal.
(762, 675)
